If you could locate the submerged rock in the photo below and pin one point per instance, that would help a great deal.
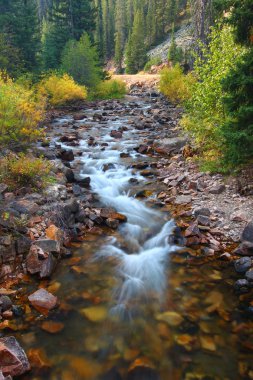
(243, 264)
(13, 360)
(43, 299)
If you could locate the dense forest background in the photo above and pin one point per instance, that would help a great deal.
(72, 40)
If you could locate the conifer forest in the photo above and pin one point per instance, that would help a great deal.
(126, 189)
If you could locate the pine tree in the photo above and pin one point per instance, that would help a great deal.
(19, 25)
(121, 32)
(136, 49)
(68, 19)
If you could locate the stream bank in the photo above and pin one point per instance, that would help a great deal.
(122, 174)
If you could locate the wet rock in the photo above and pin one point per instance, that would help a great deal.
(112, 223)
(77, 190)
(192, 230)
(113, 374)
(143, 373)
(38, 359)
(176, 238)
(66, 155)
(244, 249)
(49, 245)
(116, 134)
(5, 303)
(217, 189)
(108, 167)
(69, 174)
(82, 182)
(243, 264)
(23, 245)
(171, 145)
(247, 234)
(249, 275)
(183, 199)
(142, 149)
(202, 211)
(147, 173)
(33, 264)
(124, 155)
(43, 299)
(242, 285)
(48, 266)
(79, 116)
(203, 220)
(25, 207)
(13, 360)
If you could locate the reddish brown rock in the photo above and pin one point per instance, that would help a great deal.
(33, 263)
(43, 299)
(13, 360)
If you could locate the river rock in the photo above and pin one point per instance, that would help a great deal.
(244, 249)
(112, 223)
(143, 373)
(23, 245)
(43, 299)
(66, 155)
(183, 199)
(25, 207)
(82, 181)
(33, 264)
(243, 264)
(249, 275)
(13, 360)
(217, 189)
(116, 134)
(242, 285)
(171, 145)
(48, 266)
(49, 245)
(247, 234)
(5, 303)
(203, 211)
(203, 220)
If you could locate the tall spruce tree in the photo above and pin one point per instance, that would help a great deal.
(120, 32)
(68, 19)
(136, 49)
(19, 26)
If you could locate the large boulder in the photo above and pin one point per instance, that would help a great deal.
(13, 360)
(171, 145)
(247, 234)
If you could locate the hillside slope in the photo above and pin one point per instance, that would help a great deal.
(183, 37)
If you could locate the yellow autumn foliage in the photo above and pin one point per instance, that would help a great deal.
(20, 113)
(61, 90)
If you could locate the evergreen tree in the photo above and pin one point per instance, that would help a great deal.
(136, 49)
(68, 19)
(121, 32)
(19, 26)
(80, 60)
(238, 130)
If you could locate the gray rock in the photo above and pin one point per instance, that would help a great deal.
(23, 245)
(202, 211)
(82, 181)
(243, 264)
(3, 188)
(247, 234)
(244, 249)
(242, 285)
(25, 207)
(48, 267)
(173, 144)
(183, 199)
(249, 275)
(5, 303)
(217, 189)
(112, 223)
(48, 245)
(66, 155)
(13, 360)
(203, 220)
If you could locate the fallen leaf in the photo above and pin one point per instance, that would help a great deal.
(170, 317)
(207, 343)
(94, 313)
(52, 327)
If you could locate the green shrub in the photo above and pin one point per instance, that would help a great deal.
(175, 85)
(109, 89)
(21, 170)
(80, 60)
(20, 113)
(175, 53)
(152, 62)
(205, 113)
(61, 90)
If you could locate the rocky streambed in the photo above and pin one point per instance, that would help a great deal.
(133, 264)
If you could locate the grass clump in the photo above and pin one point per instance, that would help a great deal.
(109, 89)
(60, 90)
(175, 85)
(20, 113)
(25, 170)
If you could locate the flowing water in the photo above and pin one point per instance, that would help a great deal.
(129, 298)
